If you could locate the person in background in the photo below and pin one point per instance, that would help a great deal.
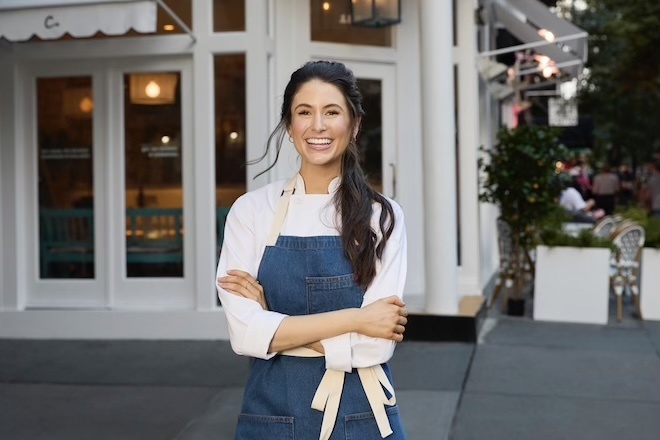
(581, 211)
(627, 179)
(582, 178)
(605, 189)
(311, 277)
(652, 190)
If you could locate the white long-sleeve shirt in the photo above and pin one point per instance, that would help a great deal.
(251, 328)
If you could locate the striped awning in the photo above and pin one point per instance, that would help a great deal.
(50, 19)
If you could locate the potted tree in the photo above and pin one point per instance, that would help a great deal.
(519, 177)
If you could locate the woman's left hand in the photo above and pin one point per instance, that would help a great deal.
(243, 284)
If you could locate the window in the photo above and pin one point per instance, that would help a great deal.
(230, 171)
(66, 193)
(228, 15)
(331, 22)
(153, 174)
(370, 139)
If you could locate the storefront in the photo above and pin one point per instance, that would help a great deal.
(122, 148)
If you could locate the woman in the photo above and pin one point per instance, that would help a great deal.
(324, 311)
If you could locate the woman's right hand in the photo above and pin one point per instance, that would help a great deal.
(385, 318)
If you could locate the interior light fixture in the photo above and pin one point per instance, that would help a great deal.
(153, 88)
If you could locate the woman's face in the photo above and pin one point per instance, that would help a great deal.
(320, 125)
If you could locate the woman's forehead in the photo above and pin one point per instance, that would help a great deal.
(315, 92)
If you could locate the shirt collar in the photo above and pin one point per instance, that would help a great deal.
(332, 187)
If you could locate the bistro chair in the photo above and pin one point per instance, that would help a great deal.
(624, 265)
(506, 271)
(605, 226)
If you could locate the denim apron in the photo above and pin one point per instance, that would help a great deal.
(292, 395)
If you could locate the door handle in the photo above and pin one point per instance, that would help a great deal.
(393, 167)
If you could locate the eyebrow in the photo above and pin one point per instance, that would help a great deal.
(325, 107)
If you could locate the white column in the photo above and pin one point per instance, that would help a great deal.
(12, 211)
(439, 157)
(468, 138)
(204, 158)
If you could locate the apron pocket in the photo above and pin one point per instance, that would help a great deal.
(325, 294)
(363, 426)
(256, 427)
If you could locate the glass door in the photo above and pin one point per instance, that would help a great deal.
(152, 184)
(63, 148)
(108, 184)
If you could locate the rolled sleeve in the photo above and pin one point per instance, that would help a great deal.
(251, 328)
(338, 352)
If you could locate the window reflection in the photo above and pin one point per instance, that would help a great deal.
(66, 193)
(370, 139)
(331, 22)
(153, 176)
(229, 136)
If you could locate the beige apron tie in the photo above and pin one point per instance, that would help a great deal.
(280, 212)
(328, 393)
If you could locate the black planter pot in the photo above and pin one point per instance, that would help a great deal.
(515, 307)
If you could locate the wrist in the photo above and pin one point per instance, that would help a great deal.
(353, 320)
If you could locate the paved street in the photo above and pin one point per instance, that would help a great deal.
(523, 380)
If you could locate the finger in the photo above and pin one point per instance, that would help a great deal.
(243, 274)
(395, 300)
(403, 311)
(402, 320)
(399, 329)
(397, 337)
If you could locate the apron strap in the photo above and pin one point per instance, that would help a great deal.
(328, 394)
(280, 212)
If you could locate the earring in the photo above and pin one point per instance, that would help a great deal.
(290, 139)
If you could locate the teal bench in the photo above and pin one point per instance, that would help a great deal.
(65, 236)
(154, 235)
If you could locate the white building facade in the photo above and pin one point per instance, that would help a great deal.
(141, 139)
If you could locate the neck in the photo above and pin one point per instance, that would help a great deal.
(317, 179)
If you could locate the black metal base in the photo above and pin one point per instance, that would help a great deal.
(442, 328)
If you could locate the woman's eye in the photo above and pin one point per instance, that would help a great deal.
(303, 112)
(333, 112)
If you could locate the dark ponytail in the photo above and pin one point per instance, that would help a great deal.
(355, 198)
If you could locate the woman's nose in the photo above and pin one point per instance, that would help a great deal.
(319, 123)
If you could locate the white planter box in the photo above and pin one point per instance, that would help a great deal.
(650, 285)
(572, 284)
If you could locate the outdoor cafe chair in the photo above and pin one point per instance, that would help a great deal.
(624, 264)
(606, 226)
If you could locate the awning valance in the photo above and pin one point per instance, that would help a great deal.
(531, 22)
(51, 19)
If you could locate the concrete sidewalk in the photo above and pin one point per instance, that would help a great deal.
(523, 380)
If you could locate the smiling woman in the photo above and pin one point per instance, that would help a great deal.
(311, 276)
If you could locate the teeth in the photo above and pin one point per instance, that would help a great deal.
(319, 141)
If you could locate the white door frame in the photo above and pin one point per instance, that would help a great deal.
(149, 293)
(110, 288)
(66, 293)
